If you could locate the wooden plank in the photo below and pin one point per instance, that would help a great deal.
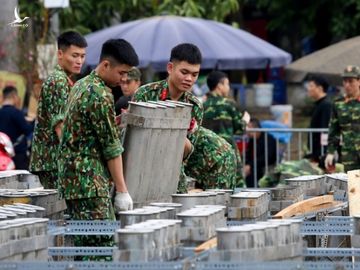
(305, 206)
(206, 245)
(354, 192)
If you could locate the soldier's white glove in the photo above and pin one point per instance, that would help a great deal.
(329, 160)
(246, 117)
(123, 202)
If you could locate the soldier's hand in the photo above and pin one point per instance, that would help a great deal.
(123, 202)
(246, 117)
(329, 161)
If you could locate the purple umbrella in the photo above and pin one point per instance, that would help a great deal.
(222, 46)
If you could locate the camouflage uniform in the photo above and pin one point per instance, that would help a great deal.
(345, 126)
(213, 162)
(53, 97)
(89, 139)
(160, 91)
(288, 169)
(222, 117)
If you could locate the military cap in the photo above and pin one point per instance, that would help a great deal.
(351, 72)
(134, 74)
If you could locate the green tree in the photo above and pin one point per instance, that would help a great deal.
(326, 21)
(91, 15)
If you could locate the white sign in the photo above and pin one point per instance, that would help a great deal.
(56, 3)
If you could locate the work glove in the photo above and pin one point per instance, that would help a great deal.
(123, 202)
(329, 161)
(246, 117)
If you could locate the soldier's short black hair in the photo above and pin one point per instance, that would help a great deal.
(9, 91)
(119, 50)
(186, 52)
(214, 78)
(66, 39)
(319, 81)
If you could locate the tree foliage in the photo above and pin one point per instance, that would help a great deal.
(341, 19)
(91, 15)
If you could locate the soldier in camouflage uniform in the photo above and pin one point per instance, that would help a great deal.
(344, 127)
(223, 117)
(183, 70)
(289, 169)
(213, 162)
(53, 98)
(90, 150)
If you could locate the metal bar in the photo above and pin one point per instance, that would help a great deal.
(255, 161)
(288, 149)
(81, 251)
(244, 156)
(327, 228)
(277, 147)
(67, 265)
(333, 252)
(266, 152)
(85, 227)
(288, 146)
(287, 130)
(299, 145)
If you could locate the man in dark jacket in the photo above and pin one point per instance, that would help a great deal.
(13, 124)
(317, 89)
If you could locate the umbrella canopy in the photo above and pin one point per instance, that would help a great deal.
(221, 45)
(328, 62)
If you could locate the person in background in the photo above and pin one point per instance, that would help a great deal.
(344, 127)
(90, 151)
(14, 124)
(128, 88)
(6, 153)
(317, 90)
(183, 70)
(223, 117)
(53, 98)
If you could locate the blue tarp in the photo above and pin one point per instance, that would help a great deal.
(283, 137)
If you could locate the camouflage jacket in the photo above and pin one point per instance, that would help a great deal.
(345, 124)
(289, 169)
(90, 138)
(53, 98)
(160, 91)
(222, 117)
(213, 162)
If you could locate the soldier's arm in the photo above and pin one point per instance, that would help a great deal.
(196, 121)
(115, 167)
(60, 96)
(334, 132)
(102, 117)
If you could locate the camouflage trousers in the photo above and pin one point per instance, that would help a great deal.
(221, 175)
(239, 182)
(48, 179)
(92, 209)
(182, 185)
